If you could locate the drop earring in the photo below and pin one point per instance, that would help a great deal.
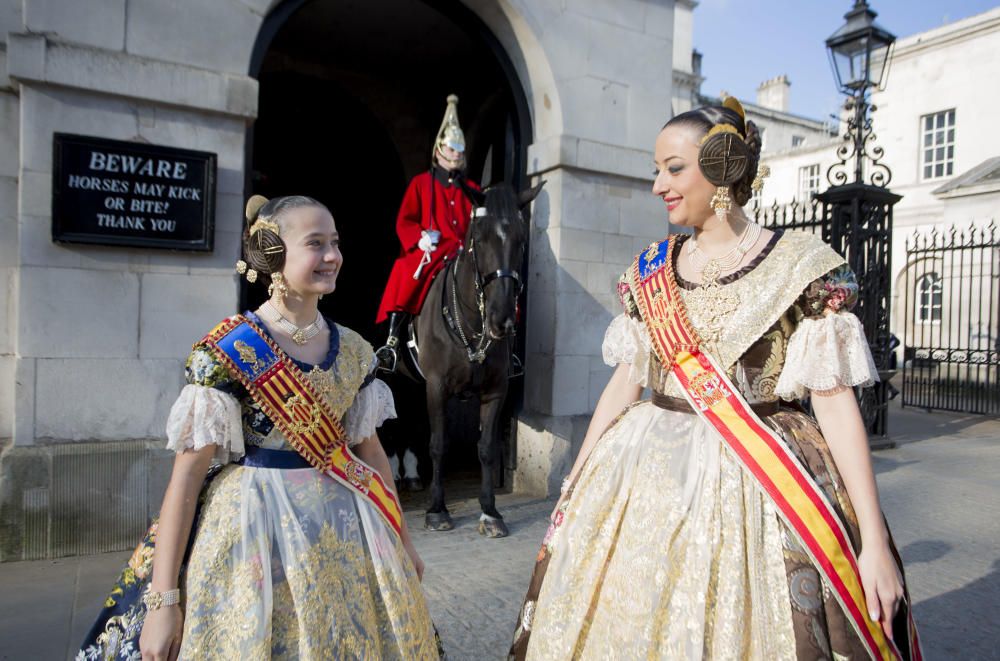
(277, 285)
(721, 202)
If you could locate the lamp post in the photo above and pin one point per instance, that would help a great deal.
(857, 208)
(859, 55)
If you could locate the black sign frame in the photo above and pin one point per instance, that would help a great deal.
(71, 205)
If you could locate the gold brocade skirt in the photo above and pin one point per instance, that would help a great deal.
(666, 549)
(291, 564)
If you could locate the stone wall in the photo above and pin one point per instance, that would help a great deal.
(605, 70)
(94, 338)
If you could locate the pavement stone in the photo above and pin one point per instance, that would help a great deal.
(939, 491)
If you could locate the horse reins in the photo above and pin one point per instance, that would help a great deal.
(454, 319)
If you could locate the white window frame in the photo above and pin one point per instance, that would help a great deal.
(798, 141)
(931, 286)
(808, 181)
(937, 145)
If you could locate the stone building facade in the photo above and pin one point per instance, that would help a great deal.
(935, 122)
(92, 339)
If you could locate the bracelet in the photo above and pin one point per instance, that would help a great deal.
(156, 600)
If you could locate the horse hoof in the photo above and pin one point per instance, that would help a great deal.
(412, 484)
(492, 527)
(438, 521)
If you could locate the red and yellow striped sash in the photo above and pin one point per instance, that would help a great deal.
(778, 472)
(294, 406)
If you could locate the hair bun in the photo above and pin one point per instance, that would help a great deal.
(254, 205)
(743, 189)
(724, 158)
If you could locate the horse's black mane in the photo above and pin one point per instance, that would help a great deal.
(501, 201)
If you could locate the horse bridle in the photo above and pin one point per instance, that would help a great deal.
(477, 354)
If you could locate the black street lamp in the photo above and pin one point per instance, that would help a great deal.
(857, 215)
(860, 50)
(859, 55)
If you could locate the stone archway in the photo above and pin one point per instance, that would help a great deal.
(351, 96)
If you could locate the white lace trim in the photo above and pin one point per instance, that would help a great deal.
(206, 416)
(626, 342)
(825, 354)
(373, 406)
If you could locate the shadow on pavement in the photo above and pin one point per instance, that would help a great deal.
(883, 462)
(956, 624)
(910, 425)
(924, 550)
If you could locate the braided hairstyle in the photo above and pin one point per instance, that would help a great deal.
(265, 249)
(707, 117)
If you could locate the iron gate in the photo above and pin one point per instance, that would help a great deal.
(951, 355)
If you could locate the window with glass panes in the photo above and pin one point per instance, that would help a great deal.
(938, 144)
(930, 294)
(808, 181)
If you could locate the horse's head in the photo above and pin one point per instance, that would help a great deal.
(498, 236)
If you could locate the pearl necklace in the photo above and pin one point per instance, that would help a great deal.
(712, 269)
(299, 335)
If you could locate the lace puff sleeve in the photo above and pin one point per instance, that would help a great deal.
(828, 349)
(207, 411)
(372, 407)
(626, 342)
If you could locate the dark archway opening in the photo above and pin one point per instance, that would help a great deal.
(351, 97)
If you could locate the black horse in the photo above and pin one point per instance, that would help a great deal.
(462, 335)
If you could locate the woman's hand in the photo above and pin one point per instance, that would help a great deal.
(418, 564)
(161, 634)
(882, 583)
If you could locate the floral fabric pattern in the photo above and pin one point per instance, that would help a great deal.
(837, 291)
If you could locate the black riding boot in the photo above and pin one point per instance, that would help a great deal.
(388, 356)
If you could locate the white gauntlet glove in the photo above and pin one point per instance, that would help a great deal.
(429, 240)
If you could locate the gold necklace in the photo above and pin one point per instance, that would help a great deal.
(711, 303)
(299, 335)
(711, 268)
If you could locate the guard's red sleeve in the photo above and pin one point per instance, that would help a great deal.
(409, 222)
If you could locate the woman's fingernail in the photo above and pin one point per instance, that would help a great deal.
(873, 615)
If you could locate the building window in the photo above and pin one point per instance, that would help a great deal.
(797, 141)
(938, 144)
(929, 298)
(808, 182)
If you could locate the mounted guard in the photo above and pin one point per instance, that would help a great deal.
(432, 223)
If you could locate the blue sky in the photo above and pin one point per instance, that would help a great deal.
(745, 42)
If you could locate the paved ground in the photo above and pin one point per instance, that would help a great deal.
(941, 496)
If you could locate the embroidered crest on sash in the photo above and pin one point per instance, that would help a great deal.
(304, 417)
(707, 389)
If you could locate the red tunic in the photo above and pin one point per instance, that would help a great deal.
(449, 214)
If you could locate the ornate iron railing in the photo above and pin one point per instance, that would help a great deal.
(951, 356)
(805, 216)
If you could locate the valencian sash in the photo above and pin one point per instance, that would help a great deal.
(762, 453)
(294, 406)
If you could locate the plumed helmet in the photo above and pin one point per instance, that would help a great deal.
(450, 134)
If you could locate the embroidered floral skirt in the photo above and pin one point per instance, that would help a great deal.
(666, 549)
(284, 564)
